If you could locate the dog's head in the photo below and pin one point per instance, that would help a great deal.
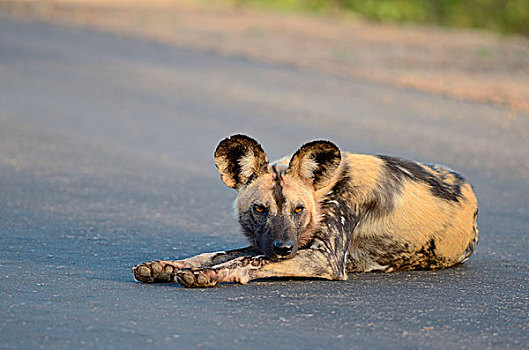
(276, 203)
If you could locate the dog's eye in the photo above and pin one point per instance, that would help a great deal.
(299, 209)
(259, 208)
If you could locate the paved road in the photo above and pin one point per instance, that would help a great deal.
(106, 150)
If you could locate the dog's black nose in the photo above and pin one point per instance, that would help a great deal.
(282, 248)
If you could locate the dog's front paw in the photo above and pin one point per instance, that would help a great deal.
(196, 277)
(156, 272)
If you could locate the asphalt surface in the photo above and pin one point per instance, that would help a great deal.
(106, 161)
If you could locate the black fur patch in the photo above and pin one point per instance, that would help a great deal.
(233, 155)
(429, 249)
(382, 249)
(470, 249)
(253, 225)
(385, 251)
(402, 168)
(232, 254)
(472, 245)
(382, 202)
(277, 191)
(327, 160)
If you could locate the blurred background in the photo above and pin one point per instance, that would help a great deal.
(505, 16)
(474, 49)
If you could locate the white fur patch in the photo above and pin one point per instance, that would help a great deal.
(463, 258)
(405, 171)
(308, 167)
(318, 245)
(247, 164)
(373, 266)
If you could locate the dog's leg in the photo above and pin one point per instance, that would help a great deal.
(326, 258)
(164, 270)
(307, 263)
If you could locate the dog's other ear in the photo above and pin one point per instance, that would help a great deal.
(315, 162)
(239, 159)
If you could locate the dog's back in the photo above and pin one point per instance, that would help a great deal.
(412, 215)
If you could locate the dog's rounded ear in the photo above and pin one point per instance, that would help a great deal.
(316, 162)
(239, 159)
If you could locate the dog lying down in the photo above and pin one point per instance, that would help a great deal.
(323, 213)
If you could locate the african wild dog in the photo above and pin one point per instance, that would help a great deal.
(323, 213)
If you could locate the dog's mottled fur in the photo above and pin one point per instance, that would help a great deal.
(324, 213)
